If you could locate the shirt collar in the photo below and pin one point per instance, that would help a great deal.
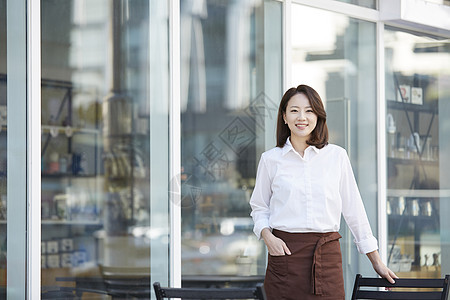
(288, 147)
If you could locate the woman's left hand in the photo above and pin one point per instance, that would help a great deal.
(380, 267)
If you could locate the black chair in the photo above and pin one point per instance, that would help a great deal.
(412, 288)
(256, 292)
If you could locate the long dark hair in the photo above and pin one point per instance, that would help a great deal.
(319, 136)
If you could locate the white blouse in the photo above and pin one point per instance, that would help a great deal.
(308, 194)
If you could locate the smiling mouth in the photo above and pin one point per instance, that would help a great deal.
(301, 126)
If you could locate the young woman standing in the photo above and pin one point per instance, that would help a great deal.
(303, 185)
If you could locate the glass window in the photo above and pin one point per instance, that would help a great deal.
(445, 2)
(418, 143)
(231, 83)
(336, 55)
(3, 132)
(104, 146)
(364, 3)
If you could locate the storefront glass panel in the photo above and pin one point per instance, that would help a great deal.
(3, 155)
(105, 155)
(336, 55)
(445, 2)
(418, 143)
(364, 3)
(231, 84)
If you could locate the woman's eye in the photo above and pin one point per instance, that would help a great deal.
(309, 110)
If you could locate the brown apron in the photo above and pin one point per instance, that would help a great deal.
(312, 271)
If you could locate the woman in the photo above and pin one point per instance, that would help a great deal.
(302, 187)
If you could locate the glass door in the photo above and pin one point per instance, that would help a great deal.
(417, 100)
(105, 156)
(335, 54)
(231, 84)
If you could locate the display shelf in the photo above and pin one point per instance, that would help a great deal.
(59, 176)
(67, 222)
(418, 193)
(405, 161)
(421, 272)
(72, 222)
(65, 129)
(413, 194)
(426, 108)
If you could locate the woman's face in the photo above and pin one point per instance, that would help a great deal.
(300, 117)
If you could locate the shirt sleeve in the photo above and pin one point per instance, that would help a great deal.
(353, 210)
(260, 199)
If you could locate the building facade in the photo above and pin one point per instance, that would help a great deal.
(131, 131)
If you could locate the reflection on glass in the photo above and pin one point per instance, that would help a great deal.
(445, 2)
(3, 149)
(230, 88)
(417, 96)
(364, 3)
(97, 114)
(335, 54)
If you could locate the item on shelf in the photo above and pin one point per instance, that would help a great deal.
(69, 131)
(66, 245)
(53, 261)
(391, 129)
(413, 207)
(79, 164)
(417, 95)
(63, 164)
(79, 257)
(426, 209)
(427, 153)
(54, 131)
(413, 146)
(52, 247)
(436, 259)
(401, 146)
(405, 95)
(405, 264)
(397, 205)
(53, 165)
(66, 260)
(61, 207)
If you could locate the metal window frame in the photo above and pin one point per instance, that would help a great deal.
(24, 148)
(381, 144)
(287, 44)
(175, 143)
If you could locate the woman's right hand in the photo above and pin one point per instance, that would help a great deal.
(275, 245)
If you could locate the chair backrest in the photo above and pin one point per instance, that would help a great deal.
(412, 288)
(256, 292)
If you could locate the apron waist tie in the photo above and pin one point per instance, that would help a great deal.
(316, 271)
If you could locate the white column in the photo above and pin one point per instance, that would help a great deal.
(175, 144)
(381, 144)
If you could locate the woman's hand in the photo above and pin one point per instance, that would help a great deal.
(275, 246)
(380, 267)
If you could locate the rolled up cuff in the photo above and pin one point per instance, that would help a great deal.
(259, 226)
(367, 245)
